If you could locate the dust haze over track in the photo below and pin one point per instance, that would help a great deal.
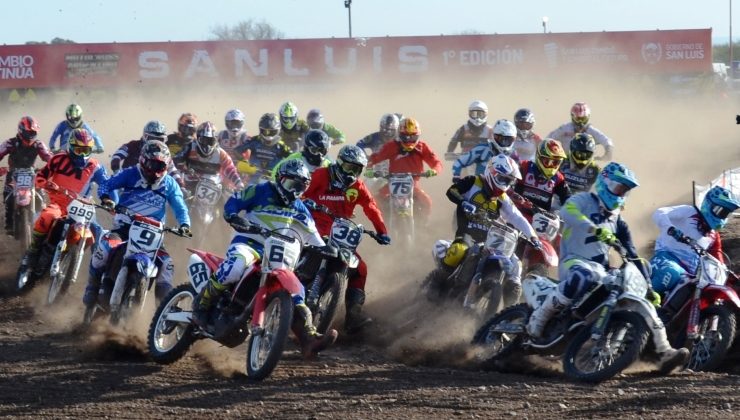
(51, 370)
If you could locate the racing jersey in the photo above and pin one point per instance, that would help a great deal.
(128, 155)
(471, 189)
(60, 170)
(401, 161)
(261, 156)
(293, 138)
(373, 141)
(146, 199)
(175, 142)
(526, 147)
(579, 179)
(469, 136)
(231, 143)
(567, 131)
(540, 191)
(21, 156)
(335, 134)
(264, 207)
(218, 162)
(479, 156)
(689, 221)
(63, 130)
(341, 203)
(299, 155)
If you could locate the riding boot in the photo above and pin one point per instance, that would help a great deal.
(204, 301)
(355, 320)
(311, 341)
(512, 292)
(93, 287)
(31, 258)
(554, 303)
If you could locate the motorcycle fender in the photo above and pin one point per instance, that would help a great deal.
(23, 197)
(118, 288)
(713, 293)
(353, 261)
(144, 264)
(78, 232)
(288, 280)
(630, 302)
(549, 254)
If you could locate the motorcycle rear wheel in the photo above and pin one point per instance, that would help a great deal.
(495, 346)
(708, 352)
(265, 348)
(329, 302)
(169, 341)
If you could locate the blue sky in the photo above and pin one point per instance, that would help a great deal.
(191, 20)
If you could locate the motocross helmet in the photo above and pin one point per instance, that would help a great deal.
(28, 129)
(206, 139)
(234, 121)
(389, 124)
(582, 149)
(524, 122)
(408, 134)
(186, 125)
(269, 126)
(549, 156)
(288, 115)
(315, 146)
(501, 174)
(291, 179)
(351, 161)
(580, 113)
(79, 147)
(74, 115)
(504, 134)
(477, 113)
(154, 130)
(154, 160)
(315, 119)
(613, 185)
(718, 204)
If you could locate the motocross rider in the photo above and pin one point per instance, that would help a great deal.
(22, 151)
(591, 224)
(205, 157)
(541, 181)
(184, 135)
(264, 151)
(64, 129)
(408, 154)
(128, 154)
(475, 131)
(387, 132)
(234, 135)
(73, 170)
(527, 140)
(292, 129)
(580, 170)
(488, 191)
(145, 188)
(504, 133)
(339, 188)
(580, 115)
(270, 204)
(313, 155)
(674, 262)
(315, 120)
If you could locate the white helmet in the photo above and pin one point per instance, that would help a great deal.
(477, 113)
(234, 121)
(504, 134)
(501, 173)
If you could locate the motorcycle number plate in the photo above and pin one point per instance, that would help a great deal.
(144, 237)
(208, 192)
(345, 234)
(401, 186)
(24, 178)
(545, 227)
(280, 254)
(80, 212)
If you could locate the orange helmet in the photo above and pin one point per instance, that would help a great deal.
(549, 156)
(408, 133)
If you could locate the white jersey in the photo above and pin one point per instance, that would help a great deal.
(690, 223)
(565, 133)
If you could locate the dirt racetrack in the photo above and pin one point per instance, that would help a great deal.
(403, 368)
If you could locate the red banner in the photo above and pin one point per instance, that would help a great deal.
(313, 60)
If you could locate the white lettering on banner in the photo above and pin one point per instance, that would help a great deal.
(413, 59)
(691, 51)
(153, 65)
(491, 57)
(243, 56)
(16, 67)
(331, 68)
(289, 69)
(201, 63)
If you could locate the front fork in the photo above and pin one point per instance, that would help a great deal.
(692, 329)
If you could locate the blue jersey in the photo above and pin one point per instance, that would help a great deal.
(263, 207)
(63, 131)
(479, 155)
(148, 200)
(262, 156)
(373, 141)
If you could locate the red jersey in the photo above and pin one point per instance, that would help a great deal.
(341, 203)
(401, 161)
(62, 172)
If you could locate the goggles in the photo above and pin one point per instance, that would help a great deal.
(297, 186)
(504, 141)
(28, 135)
(389, 132)
(152, 136)
(82, 150)
(155, 165)
(505, 180)
(351, 168)
(550, 163)
(74, 120)
(317, 150)
(582, 156)
(269, 132)
(234, 124)
(406, 138)
(720, 212)
(524, 125)
(207, 141)
(580, 120)
(187, 130)
(477, 113)
(616, 188)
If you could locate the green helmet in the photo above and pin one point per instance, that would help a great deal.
(288, 115)
(74, 115)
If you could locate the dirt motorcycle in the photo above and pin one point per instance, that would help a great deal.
(132, 269)
(401, 222)
(603, 333)
(63, 249)
(26, 202)
(547, 225)
(325, 273)
(702, 314)
(204, 202)
(259, 308)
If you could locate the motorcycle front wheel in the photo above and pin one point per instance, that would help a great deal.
(167, 340)
(129, 300)
(68, 265)
(24, 227)
(709, 350)
(265, 347)
(501, 335)
(329, 302)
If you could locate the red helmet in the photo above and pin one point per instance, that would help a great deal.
(154, 160)
(580, 113)
(28, 129)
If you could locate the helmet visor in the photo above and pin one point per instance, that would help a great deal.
(477, 114)
(523, 125)
(317, 150)
(297, 186)
(617, 188)
(504, 141)
(155, 166)
(351, 168)
(187, 130)
(29, 135)
(74, 121)
(389, 132)
(504, 180)
(720, 212)
(580, 120)
(269, 132)
(234, 125)
(83, 151)
(409, 138)
(207, 141)
(550, 163)
(582, 156)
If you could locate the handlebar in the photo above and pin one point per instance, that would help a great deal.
(242, 225)
(312, 205)
(388, 175)
(119, 209)
(518, 198)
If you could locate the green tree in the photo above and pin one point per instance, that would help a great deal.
(56, 40)
(246, 30)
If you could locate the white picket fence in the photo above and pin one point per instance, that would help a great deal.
(729, 179)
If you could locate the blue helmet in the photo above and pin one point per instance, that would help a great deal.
(613, 184)
(718, 204)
